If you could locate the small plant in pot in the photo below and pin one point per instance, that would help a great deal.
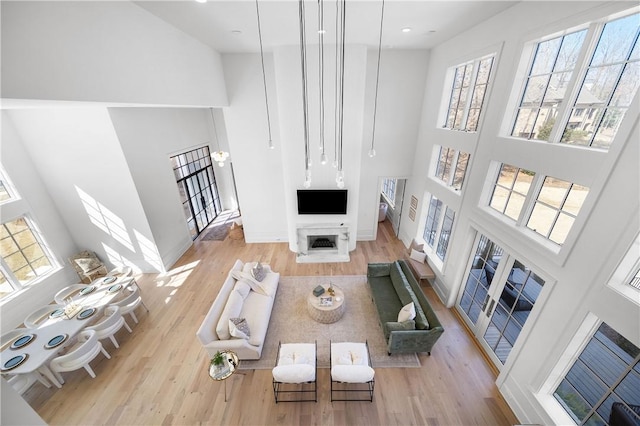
(218, 360)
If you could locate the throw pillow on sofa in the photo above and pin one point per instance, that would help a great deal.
(239, 328)
(258, 272)
(231, 310)
(408, 312)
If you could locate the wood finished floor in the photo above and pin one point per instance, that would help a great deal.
(159, 375)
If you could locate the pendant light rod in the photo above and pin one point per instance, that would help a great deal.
(264, 78)
(344, 13)
(372, 152)
(303, 63)
(337, 87)
(323, 157)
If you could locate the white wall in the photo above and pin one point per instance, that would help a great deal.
(148, 137)
(289, 89)
(258, 169)
(78, 154)
(104, 52)
(608, 223)
(400, 96)
(40, 206)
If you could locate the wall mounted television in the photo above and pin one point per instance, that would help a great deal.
(322, 201)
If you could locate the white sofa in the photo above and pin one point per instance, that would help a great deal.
(240, 297)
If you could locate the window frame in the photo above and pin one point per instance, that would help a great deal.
(12, 280)
(527, 209)
(389, 194)
(450, 88)
(439, 221)
(447, 176)
(545, 395)
(594, 30)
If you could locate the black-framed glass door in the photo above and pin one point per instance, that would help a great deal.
(197, 187)
(497, 298)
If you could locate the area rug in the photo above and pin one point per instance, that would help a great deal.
(291, 323)
(218, 232)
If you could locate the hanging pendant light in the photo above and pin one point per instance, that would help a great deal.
(372, 151)
(218, 156)
(323, 155)
(305, 104)
(340, 101)
(264, 78)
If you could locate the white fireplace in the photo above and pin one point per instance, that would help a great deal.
(322, 243)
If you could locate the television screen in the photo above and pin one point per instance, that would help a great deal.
(322, 201)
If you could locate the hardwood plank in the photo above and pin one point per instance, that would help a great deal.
(159, 374)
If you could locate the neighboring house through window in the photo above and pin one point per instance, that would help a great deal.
(585, 110)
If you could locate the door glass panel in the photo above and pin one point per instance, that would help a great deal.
(519, 294)
(483, 268)
(197, 189)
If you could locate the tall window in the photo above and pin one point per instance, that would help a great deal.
(24, 257)
(605, 378)
(589, 111)
(433, 220)
(553, 210)
(468, 91)
(438, 229)
(445, 233)
(389, 190)
(452, 167)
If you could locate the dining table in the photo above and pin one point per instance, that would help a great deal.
(32, 351)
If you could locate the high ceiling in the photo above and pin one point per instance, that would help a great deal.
(231, 26)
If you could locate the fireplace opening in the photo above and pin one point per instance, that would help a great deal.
(322, 242)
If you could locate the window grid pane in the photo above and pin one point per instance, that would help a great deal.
(546, 85)
(591, 387)
(433, 220)
(510, 190)
(389, 189)
(22, 251)
(460, 106)
(445, 233)
(555, 209)
(610, 84)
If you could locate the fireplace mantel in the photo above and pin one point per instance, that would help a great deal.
(336, 234)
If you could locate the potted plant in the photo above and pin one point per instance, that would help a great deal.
(218, 360)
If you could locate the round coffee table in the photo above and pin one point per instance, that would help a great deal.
(326, 313)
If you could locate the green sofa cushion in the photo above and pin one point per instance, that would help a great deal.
(378, 270)
(407, 295)
(395, 326)
(386, 299)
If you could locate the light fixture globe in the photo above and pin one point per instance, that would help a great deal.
(372, 153)
(220, 157)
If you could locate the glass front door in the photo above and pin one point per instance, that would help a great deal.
(497, 298)
(197, 188)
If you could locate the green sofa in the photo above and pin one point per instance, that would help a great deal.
(393, 286)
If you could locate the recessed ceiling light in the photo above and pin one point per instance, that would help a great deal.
(201, 1)
(236, 32)
(406, 29)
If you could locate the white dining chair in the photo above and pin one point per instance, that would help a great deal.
(34, 319)
(67, 292)
(111, 322)
(129, 303)
(86, 348)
